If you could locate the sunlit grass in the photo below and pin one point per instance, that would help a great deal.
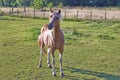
(91, 52)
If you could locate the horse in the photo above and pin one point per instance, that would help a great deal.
(52, 37)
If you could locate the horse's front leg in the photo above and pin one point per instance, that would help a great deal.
(60, 60)
(40, 61)
(53, 65)
(48, 58)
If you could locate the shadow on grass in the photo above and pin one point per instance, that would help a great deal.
(97, 74)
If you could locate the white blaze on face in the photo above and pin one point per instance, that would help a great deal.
(50, 17)
(55, 14)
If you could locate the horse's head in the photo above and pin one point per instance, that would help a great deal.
(54, 19)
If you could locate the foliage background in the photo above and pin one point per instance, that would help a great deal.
(43, 3)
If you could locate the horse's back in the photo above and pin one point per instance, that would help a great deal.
(44, 28)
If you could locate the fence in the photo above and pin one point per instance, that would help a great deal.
(93, 14)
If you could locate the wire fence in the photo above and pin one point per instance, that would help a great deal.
(77, 14)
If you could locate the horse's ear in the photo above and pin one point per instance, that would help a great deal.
(51, 11)
(59, 11)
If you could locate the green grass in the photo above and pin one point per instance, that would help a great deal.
(92, 50)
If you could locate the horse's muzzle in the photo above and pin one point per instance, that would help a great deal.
(50, 26)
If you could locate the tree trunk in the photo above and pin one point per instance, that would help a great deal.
(2, 3)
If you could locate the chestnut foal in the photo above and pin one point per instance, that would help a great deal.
(52, 37)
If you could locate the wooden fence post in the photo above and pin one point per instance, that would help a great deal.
(17, 12)
(34, 11)
(105, 16)
(43, 14)
(65, 14)
(12, 10)
(91, 14)
(77, 17)
(25, 11)
(110, 7)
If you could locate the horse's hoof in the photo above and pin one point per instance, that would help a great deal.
(49, 66)
(39, 66)
(54, 75)
(62, 74)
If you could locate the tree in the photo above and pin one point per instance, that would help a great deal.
(50, 5)
(27, 2)
(38, 4)
(60, 5)
(0, 3)
(3, 2)
(35, 3)
(16, 3)
(92, 2)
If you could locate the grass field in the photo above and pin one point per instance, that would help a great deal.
(92, 50)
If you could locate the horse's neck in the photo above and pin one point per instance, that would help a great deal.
(56, 30)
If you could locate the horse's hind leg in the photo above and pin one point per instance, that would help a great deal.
(40, 61)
